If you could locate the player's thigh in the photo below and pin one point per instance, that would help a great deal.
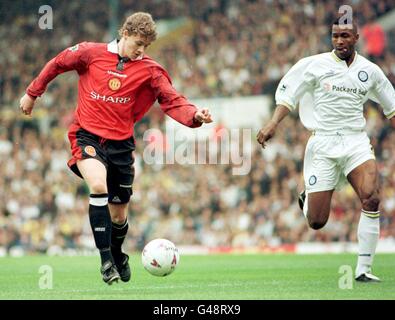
(321, 176)
(320, 172)
(94, 173)
(120, 182)
(120, 170)
(361, 168)
(88, 155)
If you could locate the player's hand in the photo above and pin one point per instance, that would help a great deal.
(203, 116)
(266, 133)
(26, 104)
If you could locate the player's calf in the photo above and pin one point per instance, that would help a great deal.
(119, 232)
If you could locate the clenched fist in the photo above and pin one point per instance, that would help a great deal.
(26, 104)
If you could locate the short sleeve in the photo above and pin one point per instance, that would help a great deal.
(296, 82)
(383, 93)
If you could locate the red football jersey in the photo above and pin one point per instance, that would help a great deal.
(110, 101)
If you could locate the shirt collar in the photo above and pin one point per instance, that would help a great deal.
(334, 56)
(337, 59)
(113, 48)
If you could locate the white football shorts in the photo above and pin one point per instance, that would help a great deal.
(330, 157)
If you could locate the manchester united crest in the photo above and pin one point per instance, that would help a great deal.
(91, 151)
(114, 84)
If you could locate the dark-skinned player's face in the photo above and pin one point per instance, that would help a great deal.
(344, 40)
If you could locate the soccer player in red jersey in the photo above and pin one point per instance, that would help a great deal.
(117, 85)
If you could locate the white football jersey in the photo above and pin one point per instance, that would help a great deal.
(331, 94)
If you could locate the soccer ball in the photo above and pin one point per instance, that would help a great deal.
(160, 257)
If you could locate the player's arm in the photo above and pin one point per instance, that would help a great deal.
(175, 104)
(383, 93)
(291, 88)
(74, 58)
(267, 132)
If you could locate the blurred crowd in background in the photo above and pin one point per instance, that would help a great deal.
(237, 48)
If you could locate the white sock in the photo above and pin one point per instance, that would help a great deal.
(305, 205)
(368, 235)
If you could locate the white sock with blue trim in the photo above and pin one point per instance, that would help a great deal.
(368, 235)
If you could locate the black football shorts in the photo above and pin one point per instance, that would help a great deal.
(117, 157)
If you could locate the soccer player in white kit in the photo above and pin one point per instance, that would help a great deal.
(338, 82)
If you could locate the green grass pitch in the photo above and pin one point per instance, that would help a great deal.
(239, 277)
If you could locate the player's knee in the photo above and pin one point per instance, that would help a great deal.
(119, 217)
(316, 223)
(98, 187)
(317, 218)
(371, 202)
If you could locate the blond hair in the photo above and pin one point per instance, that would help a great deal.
(140, 23)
